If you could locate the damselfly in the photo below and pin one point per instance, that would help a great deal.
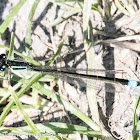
(62, 72)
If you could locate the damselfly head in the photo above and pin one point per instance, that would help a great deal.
(2, 56)
(3, 64)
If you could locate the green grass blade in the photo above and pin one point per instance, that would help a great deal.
(78, 1)
(86, 15)
(91, 92)
(22, 90)
(55, 128)
(20, 54)
(88, 45)
(26, 117)
(6, 83)
(6, 93)
(90, 59)
(62, 1)
(10, 17)
(51, 61)
(138, 126)
(28, 29)
(66, 16)
(11, 54)
(137, 108)
(135, 132)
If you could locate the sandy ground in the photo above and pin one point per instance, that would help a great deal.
(116, 102)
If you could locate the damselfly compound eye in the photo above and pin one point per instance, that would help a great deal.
(3, 64)
(4, 67)
(2, 56)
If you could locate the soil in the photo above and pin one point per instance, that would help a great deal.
(116, 103)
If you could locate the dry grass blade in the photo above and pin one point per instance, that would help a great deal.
(121, 7)
(127, 45)
(121, 42)
(119, 39)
